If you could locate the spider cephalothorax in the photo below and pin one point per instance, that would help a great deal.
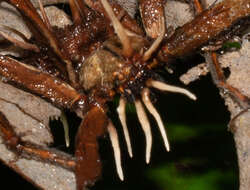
(83, 66)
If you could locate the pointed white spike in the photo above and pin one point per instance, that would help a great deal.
(156, 43)
(143, 119)
(116, 147)
(121, 110)
(63, 119)
(165, 87)
(153, 111)
(119, 29)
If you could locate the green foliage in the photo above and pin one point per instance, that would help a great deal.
(231, 45)
(198, 167)
(169, 177)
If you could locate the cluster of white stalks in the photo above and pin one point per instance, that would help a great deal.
(143, 119)
(123, 35)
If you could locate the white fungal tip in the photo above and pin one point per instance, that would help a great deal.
(121, 110)
(155, 114)
(116, 148)
(119, 29)
(165, 87)
(143, 119)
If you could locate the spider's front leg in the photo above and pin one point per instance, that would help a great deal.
(220, 80)
(218, 75)
(88, 163)
(42, 32)
(125, 19)
(152, 14)
(213, 23)
(56, 91)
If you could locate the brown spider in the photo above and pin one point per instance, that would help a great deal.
(104, 53)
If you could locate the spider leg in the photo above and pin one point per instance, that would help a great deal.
(56, 91)
(127, 49)
(30, 151)
(152, 14)
(206, 26)
(198, 7)
(217, 72)
(157, 42)
(19, 43)
(79, 11)
(88, 164)
(219, 79)
(153, 19)
(119, 12)
(44, 15)
(27, 9)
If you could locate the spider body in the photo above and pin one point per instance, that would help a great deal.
(104, 53)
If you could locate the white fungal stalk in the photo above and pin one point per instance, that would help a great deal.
(119, 29)
(143, 119)
(121, 110)
(63, 119)
(116, 147)
(165, 87)
(155, 114)
(156, 43)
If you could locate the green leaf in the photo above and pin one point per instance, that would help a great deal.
(170, 178)
(231, 45)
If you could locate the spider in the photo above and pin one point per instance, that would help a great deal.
(104, 53)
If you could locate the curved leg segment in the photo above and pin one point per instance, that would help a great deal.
(208, 25)
(27, 9)
(56, 91)
(152, 14)
(88, 163)
(14, 143)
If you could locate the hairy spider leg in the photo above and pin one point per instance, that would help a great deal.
(44, 15)
(14, 143)
(27, 9)
(207, 25)
(217, 72)
(152, 13)
(88, 163)
(219, 80)
(22, 44)
(56, 91)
